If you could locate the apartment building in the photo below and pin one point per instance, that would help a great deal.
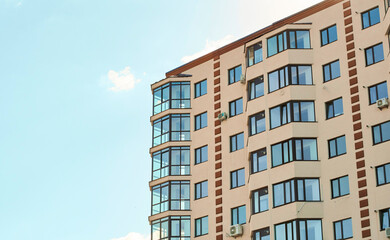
(283, 134)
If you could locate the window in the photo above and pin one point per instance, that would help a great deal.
(337, 146)
(301, 190)
(262, 234)
(377, 92)
(329, 35)
(200, 88)
(260, 200)
(236, 142)
(289, 75)
(340, 187)
(256, 88)
(387, 4)
(201, 121)
(297, 149)
(257, 123)
(173, 227)
(201, 190)
(331, 70)
(295, 111)
(343, 229)
(237, 178)
(374, 54)
(234, 74)
(173, 195)
(383, 174)
(290, 39)
(239, 215)
(171, 162)
(370, 17)
(334, 108)
(254, 54)
(201, 226)
(301, 229)
(384, 217)
(171, 95)
(381, 132)
(259, 160)
(201, 154)
(235, 107)
(173, 127)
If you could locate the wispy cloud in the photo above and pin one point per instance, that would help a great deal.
(133, 236)
(123, 80)
(19, 4)
(209, 47)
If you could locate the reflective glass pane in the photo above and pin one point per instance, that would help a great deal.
(347, 228)
(335, 188)
(338, 106)
(382, 90)
(275, 117)
(305, 77)
(280, 232)
(278, 192)
(335, 66)
(273, 81)
(378, 53)
(385, 131)
(365, 20)
(272, 46)
(341, 145)
(344, 186)
(309, 149)
(324, 37)
(380, 174)
(337, 230)
(369, 56)
(314, 230)
(312, 190)
(276, 155)
(374, 16)
(303, 39)
(332, 33)
(326, 69)
(307, 112)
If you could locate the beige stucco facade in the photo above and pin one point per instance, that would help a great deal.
(365, 198)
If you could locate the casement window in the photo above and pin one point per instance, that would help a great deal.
(173, 127)
(294, 111)
(296, 190)
(238, 215)
(296, 149)
(260, 200)
(235, 107)
(256, 88)
(258, 160)
(289, 75)
(200, 88)
(337, 146)
(374, 54)
(256, 123)
(331, 70)
(334, 108)
(172, 195)
(171, 161)
(384, 218)
(300, 229)
(201, 154)
(377, 92)
(237, 178)
(236, 142)
(254, 54)
(381, 132)
(201, 226)
(340, 187)
(171, 95)
(383, 174)
(201, 190)
(234, 74)
(201, 121)
(370, 17)
(343, 229)
(172, 227)
(328, 35)
(261, 234)
(290, 39)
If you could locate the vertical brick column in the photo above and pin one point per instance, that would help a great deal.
(357, 123)
(218, 149)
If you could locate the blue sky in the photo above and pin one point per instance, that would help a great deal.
(75, 103)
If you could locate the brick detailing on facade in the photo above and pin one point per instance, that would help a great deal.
(357, 123)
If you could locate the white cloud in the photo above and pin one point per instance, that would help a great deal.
(19, 4)
(123, 80)
(210, 46)
(133, 236)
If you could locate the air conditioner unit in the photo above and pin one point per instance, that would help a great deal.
(235, 230)
(382, 103)
(242, 79)
(222, 116)
(387, 230)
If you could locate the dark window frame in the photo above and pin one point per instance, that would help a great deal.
(169, 117)
(252, 84)
(342, 229)
(261, 192)
(386, 181)
(331, 103)
(327, 35)
(339, 187)
(236, 184)
(286, 40)
(170, 219)
(289, 81)
(170, 200)
(337, 152)
(200, 149)
(201, 186)
(380, 133)
(238, 215)
(260, 116)
(234, 102)
(369, 17)
(330, 71)
(170, 165)
(170, 99)
(260, 152)
(235, 136)
(298, 227)
(289, 106)
(381, 212)
(234, 70)
(201, 123)
(260, 233)
(371, 48)
(248, 49)
(201, 226)
(376, 91)
(200, 88)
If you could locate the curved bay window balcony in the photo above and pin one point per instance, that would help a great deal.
(290, 75)
(171, 196)
(289, 39)
(173, 127)
(172, 228)
(172, 161)
(171, 95)
(293, 111)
